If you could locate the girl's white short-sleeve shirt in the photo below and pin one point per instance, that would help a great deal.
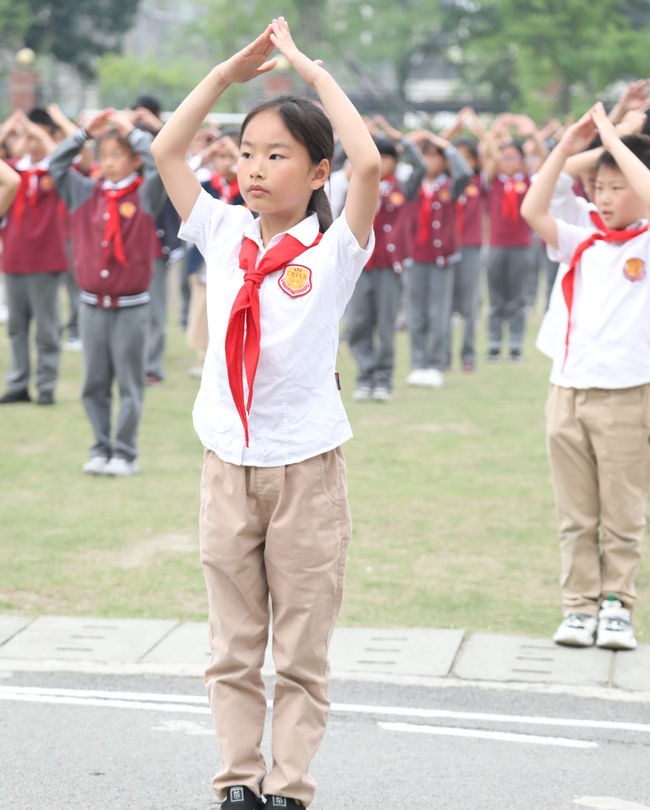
(296, 412)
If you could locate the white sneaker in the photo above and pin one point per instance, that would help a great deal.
(121, 467)
(577, 630)
(363, 393)
(96, 466)
(615, 631)
(72, 345)
(382, 395)
(434, 378)
(417, 377)
(425, 378)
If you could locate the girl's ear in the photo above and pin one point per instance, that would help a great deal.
(320, 173)
(137, 161)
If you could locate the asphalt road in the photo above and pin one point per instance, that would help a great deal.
(387, 746)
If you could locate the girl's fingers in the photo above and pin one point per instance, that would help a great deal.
(267, 66)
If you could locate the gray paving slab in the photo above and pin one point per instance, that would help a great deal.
(488, 657)
(81, 639)
(188, 644)
(417, 651)
(632, 669)
(10, 625)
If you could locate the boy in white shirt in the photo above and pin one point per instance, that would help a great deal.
(598, 411)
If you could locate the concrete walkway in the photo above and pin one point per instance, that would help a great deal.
(120, 646)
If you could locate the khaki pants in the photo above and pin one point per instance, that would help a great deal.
(197, 319)
(283, 533)
(598, 445)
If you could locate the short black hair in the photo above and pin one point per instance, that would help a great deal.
(150, 103)
(639, 145)
(385, 146)
(470, 144)
(515, 145)
(37, 115)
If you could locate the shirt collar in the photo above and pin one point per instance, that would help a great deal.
(305, 231)
(517, 178)
(120, 183)
(25, 163)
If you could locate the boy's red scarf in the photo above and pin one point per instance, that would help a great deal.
(243, 333)
(510, 204)
(424, 214)
(112, 229)
(385, 188)
(218, 184)
(460, 217)
(569, 278)
(25, 192)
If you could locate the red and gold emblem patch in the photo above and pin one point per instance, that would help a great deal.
(471, 190)
(296, 280)
(127, 209)
(396, 198)
(47, 184)
(444, 195)
(634, 269)
(520, 187)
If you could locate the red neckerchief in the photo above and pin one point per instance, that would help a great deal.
(424, 214)
(460, 216)
(385, 188)
(569, 278)
(112, 229)
(218, 183)
(510, 204)
(243, 334)
(25, 192)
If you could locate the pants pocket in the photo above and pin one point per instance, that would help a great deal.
(330, 469)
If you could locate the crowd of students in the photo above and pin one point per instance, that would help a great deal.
(404, 222)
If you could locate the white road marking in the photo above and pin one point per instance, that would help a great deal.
(448, 731)
(188, 727)
(608, 803)
(198, 704)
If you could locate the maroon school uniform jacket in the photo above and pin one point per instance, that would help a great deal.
(433, 225)
(470, 207)
(33, 238)
(108, 282)
(506, 231)
(391, 227)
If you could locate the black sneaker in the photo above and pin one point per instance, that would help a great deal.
(45, 398)
(515, 356)
(241, 798)
(280, 801)
(15, 396)
(494, 355)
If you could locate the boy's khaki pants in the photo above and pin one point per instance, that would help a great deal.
(598, 445)
(281, 532)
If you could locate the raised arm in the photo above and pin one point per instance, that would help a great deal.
(412, 184)
(637, 174)
(363, 193)
(72, 186)
(170, 147)
(535, 207)
(9, 185)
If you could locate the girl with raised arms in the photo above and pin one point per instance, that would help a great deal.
(274, 520)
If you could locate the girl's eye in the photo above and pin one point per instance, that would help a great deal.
(245, 154)
(274, 157)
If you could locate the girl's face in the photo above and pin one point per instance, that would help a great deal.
(436, 163)
(617, 202)
(469, 157)
(510, 161)
(276, 175)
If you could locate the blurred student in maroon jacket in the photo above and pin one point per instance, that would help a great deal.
(435, 251)
(511, 245)
(378, 292)
(34, 260)
(112, 226)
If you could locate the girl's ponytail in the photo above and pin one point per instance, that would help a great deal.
(313, 129)
(320, 204)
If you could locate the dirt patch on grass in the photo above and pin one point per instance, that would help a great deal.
(146, 551)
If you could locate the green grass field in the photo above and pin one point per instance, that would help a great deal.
(450, 490)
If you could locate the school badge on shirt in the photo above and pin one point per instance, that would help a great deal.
(127, 209)
(520, 187)
(47, 184)
(634, 269)
(296, 280)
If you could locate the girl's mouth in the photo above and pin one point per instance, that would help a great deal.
(257, 191)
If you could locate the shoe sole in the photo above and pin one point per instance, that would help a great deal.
(614, 644)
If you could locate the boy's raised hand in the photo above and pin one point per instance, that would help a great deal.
(632, 123)
(122, 123)
(303, 65)
(579, 135)
(606, 130)
(249, 62)
(99, 124)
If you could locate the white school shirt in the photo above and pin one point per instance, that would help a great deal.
(569, 207)
(609, 343)
(296, 411)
